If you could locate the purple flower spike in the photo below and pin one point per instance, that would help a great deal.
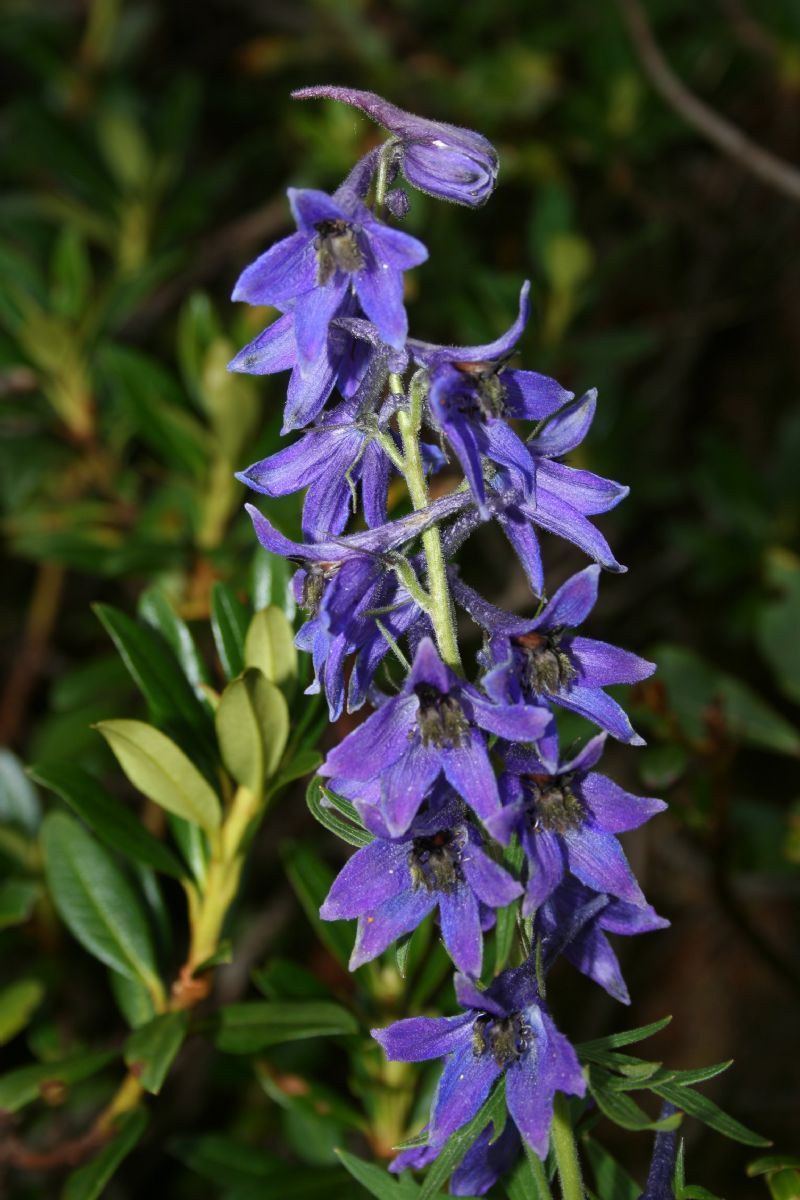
(443, 160)
(543, 659)
(505, 1030)
(392, 885)
(436, 724)
(584, 943)
(566, 818)
(341, 364)
(339, 244)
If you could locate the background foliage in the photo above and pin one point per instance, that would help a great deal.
(145, 150)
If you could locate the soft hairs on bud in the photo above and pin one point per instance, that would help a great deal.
(443, 160)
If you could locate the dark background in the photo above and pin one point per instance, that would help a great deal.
(145, 151)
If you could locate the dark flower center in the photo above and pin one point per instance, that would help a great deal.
(546, 668)
(505, 1038)
(485, 392)
(554, 806)
(337, 250)
(317, 574)
(435, 861)
(440, 718)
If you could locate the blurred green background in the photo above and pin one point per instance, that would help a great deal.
(145, 150)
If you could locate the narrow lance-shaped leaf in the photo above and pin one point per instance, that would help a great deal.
(229, 621)
(96, 901)
(247, 1028)
(162, 772)
(156, 609)
(252, 721)
(27, 1084)
(18, 1003)
(89, 1181)
(109, 818)
(151, 1049)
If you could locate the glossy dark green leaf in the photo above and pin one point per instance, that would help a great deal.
(108, 818)
(151, 1049)
(282, 979)
(156, 609)
(248, 1028)
(229, 621)
(772, 1162)
(304, 762)
(172, 704)
(133, 999)
(18, 1003)
(21, 1087)
(96, 901)
(17, 898)
(19, 804)
(311, 880)
(89, 1181)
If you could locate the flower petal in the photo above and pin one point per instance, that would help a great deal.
(573, 601)
(313, 314)
(379, 287)
(461, 928)
(598, 861)
(272, 351)
(375, 873)
(404, 785)
(614, 810)
(530, 396)
(464, 1085)
(566, 430)
(389, 921)
(601, 664)
(288, 269)
(468, 769)
(420, 1038)
(596, 706)
(376, 744)
(488, 880)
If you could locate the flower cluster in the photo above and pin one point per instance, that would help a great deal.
(457, 774)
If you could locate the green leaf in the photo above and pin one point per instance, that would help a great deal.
(778, 621)
(17, 898)
(162, 772)
(110, 819)
(89, 1181)
(248, 1028)
(619, 1107)
(354, 835)
(96, 901)
(783, 1185)
(252, 721)
(19, 804)
(133, 999)
(156, 610)
(283, 979)
(272, 582)
(696, 690)
(627, 1038)
(71, 274)
(269, 645)
(610, 1178)
(304, 762)
(154, 670)
(246, 1173)
(523, 1183)
(229, 621)
(456, 1146)
(772, 1162)
(21, 1087)
(311, 880)
(375, 1179)
(695, 1192)
(705, 1110)
(151, 1049)
(18, 1003)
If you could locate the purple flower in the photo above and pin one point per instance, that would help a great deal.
(472, 394)
(505, 1030)
(436, 724)
(392, 884)
(485, 1162)
(339, 244)
(543, 659)
(561, 925)
(341, 364)
(443, 160)
(566, 817)
(662, 1164)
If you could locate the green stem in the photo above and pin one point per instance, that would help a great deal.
(441, 608)
(569, 1169)
(539, 1174)
(382, 177)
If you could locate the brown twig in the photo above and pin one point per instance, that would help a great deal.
(767, 167)
(30, 656)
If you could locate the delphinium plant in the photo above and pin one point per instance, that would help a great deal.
(455, 789)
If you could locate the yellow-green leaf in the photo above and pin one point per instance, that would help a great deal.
(162, 772)
(269, 645)
(252, 727)
(17, 1005)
